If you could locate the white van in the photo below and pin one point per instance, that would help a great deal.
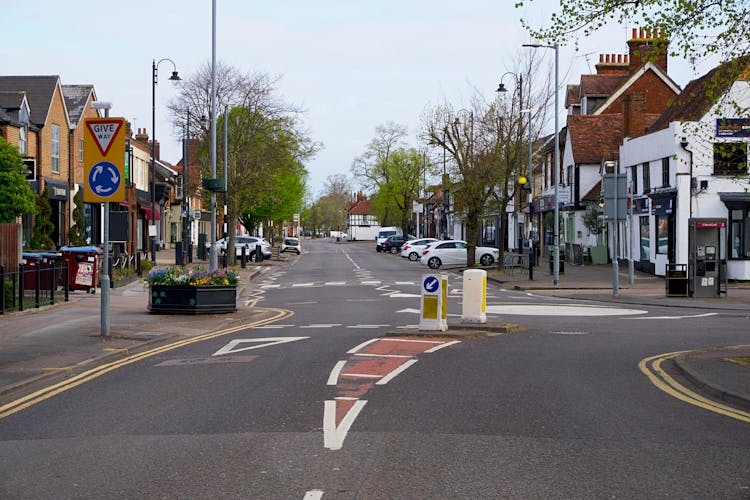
(383, 234)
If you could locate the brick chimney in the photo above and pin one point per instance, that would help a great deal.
(634, 114)
(612, 64)
(647, 45)
(141, 135)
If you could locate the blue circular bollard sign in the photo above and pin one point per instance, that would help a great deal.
(431, 284)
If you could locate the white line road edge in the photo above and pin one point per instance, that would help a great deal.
(395, 373)
(333, 378)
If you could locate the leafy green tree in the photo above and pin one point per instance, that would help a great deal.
(695, 28)
(266, 146)
(16, 197)
(77, 235)
(43, 227)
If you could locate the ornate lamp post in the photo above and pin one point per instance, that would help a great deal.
(174, 77)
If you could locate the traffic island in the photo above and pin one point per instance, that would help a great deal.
(467, 331)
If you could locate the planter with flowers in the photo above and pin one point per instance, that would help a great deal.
(177, 290)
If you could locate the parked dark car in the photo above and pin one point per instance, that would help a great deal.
(393, 244)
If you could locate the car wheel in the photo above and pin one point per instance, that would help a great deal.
(413, 257)
(394, 250)
(377, 249)
(434, 263)
(486, 260)
(297, 252)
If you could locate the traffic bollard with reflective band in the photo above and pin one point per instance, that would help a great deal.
(474, 296)
(434, 310)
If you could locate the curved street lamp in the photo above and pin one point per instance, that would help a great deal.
(175, 77)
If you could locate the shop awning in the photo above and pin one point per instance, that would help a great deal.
(150, 213)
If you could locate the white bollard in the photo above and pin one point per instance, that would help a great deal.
(475, 296)
(434, 307)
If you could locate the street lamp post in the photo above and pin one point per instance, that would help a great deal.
(556, 234)
(154, 76)
(530, 181)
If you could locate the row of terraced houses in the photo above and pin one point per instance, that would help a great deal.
(684, 153)
(44, 118)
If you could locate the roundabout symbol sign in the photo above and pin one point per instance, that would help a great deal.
(104, 178)
(104, 160)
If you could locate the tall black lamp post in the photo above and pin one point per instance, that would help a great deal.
(174, 77)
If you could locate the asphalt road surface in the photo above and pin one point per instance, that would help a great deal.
(320, 404)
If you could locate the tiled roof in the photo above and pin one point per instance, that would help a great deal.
(594, 193)
(76, 97)
(39, 91)
(11, 100)
(572, 95)
(595, 138)
(700, 94)
(362, 207)
(600, 84)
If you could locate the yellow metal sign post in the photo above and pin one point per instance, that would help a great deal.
(104, 182)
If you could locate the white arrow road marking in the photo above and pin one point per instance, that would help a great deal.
(680, 317)
(412, 311)
(313, 495)
(268, 341)
(333, 437)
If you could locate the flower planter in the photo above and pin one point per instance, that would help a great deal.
(186, 299)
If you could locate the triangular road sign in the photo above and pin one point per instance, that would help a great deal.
(104, 131)
(231, 347)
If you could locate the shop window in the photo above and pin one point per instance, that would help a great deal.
(739, 234)
(645, 239)
(730, 158)
(662, 234)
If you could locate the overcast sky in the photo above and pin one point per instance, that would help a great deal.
(352, 64)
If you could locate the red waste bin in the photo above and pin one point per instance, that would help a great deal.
(83, 267)
(45, 262)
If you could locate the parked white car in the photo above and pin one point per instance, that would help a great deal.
(248, 242)
(291, 245)
(412, 249)
(453, 253)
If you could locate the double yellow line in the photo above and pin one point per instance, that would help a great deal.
(651, 367)
(82, 378)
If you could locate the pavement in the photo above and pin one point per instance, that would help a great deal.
(38, 346)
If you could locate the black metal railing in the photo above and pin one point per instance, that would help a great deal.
(33, 285)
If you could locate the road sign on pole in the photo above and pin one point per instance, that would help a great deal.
(104, 160)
